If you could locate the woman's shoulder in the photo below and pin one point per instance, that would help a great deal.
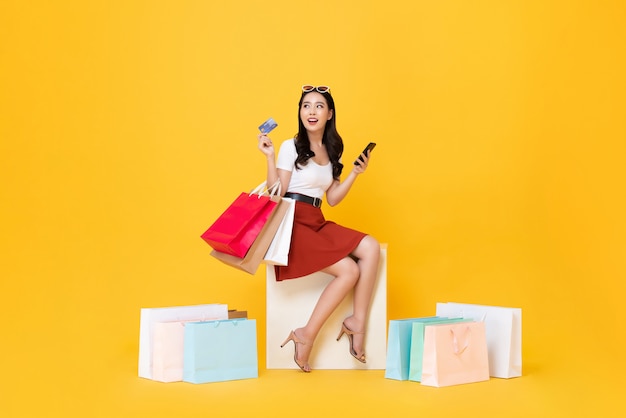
(289, 144)
(291, 141)
(287, 153)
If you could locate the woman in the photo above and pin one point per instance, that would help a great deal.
(308, 166)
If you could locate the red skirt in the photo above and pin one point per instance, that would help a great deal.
(316, 243)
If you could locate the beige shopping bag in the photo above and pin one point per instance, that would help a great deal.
(455, 354)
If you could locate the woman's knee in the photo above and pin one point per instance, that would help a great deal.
(346, 268)
(351, 269)
(369, 247)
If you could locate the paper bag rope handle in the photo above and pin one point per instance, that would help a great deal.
(455, 341)
(262, 190)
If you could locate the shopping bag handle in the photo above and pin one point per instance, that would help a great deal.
(482, 319)
(455, 341)
(276, 189)
(262, 190)
(203, 318)
(230, 321)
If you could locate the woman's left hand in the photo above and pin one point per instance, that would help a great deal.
(362, 164)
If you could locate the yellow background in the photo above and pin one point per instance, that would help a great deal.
(128, 126)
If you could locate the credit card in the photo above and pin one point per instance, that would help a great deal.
(267, 126)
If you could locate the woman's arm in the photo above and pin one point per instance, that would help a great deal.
(273, 174)
(338, 190)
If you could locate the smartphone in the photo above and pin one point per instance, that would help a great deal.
(267, 126)
(366, 151)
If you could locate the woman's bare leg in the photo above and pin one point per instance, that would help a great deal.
(368, 254)
(346, 272)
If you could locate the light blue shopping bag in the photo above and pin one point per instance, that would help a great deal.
(417, 344)
(399, 347)
(216, 351)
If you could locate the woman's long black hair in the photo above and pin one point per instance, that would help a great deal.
(331, 138)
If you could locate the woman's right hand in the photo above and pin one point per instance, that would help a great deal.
(265, 145)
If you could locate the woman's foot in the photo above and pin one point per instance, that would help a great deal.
(302, 350)
(356, 336)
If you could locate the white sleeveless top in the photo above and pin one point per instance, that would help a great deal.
(310, 180)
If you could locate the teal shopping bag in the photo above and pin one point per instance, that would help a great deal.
(216, 351)
(417, 344)
(399, 347)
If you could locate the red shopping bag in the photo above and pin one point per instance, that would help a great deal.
(236, 229)
(250, 263)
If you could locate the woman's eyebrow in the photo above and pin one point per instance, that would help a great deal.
(307, 102)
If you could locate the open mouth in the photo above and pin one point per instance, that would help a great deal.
(312, 121)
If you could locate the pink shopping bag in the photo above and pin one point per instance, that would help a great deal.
(455, 354)
(167, 354)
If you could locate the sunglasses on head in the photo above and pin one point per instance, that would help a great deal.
(320, 89)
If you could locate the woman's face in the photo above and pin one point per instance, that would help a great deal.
(314, 112)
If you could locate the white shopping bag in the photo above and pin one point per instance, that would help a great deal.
(151, 316)
(503, 327)
(278, 252)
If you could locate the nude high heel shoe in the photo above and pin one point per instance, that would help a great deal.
(350, 334)
(293, 337)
